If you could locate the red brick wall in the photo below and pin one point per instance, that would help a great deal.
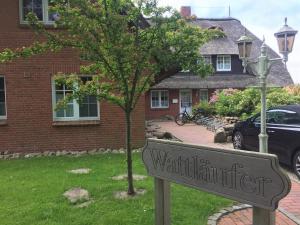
(173, 109)
(29, 100)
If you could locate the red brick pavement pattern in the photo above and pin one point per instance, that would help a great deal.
(244, 217)
(291, 203)
(191, 133)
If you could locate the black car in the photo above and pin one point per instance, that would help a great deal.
(283, 128)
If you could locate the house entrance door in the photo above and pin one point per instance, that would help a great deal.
(185, 101)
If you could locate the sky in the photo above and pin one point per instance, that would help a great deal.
(262, 18)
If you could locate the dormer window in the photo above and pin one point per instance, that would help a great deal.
(223, 63)
(40, 8)
(207, 59)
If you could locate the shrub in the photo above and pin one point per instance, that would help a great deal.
(246, 103)
(207, 108)
(293, 89)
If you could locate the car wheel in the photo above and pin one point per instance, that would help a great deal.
(238, 140)
(296, 164)
(180, 119)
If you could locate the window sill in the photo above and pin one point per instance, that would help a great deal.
(160, 108)
(76, 123)
(46, 25)
(3, 122)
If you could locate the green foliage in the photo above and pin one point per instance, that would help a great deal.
(120, 48)
(246, 103)
(206, 108)
(119, 45)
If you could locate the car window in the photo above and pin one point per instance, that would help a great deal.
(291, 118)
(275, 117)
(283, 117)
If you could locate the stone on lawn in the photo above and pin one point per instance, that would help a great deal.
(80, 171)
(76, 195)
(124, 177)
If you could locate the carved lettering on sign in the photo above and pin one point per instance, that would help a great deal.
(248, 177)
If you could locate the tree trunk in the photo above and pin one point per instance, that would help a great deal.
(129, 155)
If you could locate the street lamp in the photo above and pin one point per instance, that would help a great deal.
(285, 39)
(244, 45)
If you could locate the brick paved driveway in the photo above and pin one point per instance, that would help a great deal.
(191, 133)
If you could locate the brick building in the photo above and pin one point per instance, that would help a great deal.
(184, 89)
(28, 121)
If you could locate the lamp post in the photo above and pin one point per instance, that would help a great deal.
(285, 39)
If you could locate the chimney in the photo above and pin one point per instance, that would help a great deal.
(186, 11)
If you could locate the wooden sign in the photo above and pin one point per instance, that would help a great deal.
(248, 177)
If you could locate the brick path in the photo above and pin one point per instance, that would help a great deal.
(191, 133)
(244, 217)
(290, 205)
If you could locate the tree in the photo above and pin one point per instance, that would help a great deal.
(125, 45)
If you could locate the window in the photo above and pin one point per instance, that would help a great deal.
(223, 63)
(207, 59)
(2, 98)
(280, 116)
(40, 8)
(283, 117)
(203, 95)
(159, 99)
(88, 109)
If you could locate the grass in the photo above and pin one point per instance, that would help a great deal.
(31, 194)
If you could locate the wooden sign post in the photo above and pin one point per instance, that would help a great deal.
(247, 177)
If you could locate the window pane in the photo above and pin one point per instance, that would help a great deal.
(93, 110)
(2, 109)
(207, 59)
(70, 110)
(155, 99)
(60, 113)
(35, 6)
(203, 95)
(84, 110)
(52, 15)
(59, 96)
(2, 96)
(1, 83)
(88, 107)
(92, 99)
(291, 118)
(164, 99)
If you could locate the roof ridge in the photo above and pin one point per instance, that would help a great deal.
(220, 19)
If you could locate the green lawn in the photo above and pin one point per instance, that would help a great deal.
(31, 194)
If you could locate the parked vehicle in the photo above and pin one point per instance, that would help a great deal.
(283, 128)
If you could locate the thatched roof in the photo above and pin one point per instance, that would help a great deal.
(233, 29)
(189, 81)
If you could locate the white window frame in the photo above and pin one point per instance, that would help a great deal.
(159, 99)
(76, 116)
(223, 62)
(5, 116)
(207, 58)
(46, 20)
(206, 90)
